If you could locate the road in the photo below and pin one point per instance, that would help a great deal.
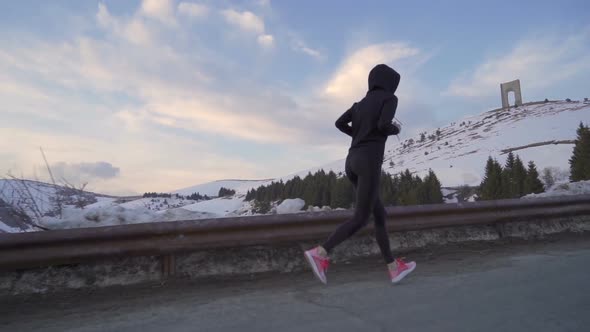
(541, 286)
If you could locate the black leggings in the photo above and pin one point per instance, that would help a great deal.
(363, 169)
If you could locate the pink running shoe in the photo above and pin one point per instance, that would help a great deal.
(318, 263)
(402, 269)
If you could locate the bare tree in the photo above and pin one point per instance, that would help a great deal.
(58, 198)
(21, 199)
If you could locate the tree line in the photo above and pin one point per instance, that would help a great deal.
(514, 180)
(511, 181)
(226, 192)
(329, 189)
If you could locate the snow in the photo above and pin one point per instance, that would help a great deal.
(290, 206)
(7, 229)
(218, 206)
(117, 215)
(157, 203)
(564, 189)
(319, 209)
(101, 202)
(453, 199)
(18, 192)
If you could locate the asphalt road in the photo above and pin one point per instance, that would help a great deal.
(541, 286)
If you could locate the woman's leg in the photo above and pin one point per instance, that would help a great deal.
(381, 231)
(367, 190)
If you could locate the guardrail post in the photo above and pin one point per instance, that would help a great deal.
(168, 265)
(500, 229)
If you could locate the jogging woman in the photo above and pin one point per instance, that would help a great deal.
(371, 120)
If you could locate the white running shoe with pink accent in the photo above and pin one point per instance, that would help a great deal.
(402, 269)
(318, 263)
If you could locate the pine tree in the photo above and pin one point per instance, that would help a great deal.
(497, 174)
(491, 186)
(434, 189)
(548, 177)
(519, 174)
(407, 189)
(342, 194)
(532, 184)
(508, 185)
(485, 185)
(580, 160)
(385, 189)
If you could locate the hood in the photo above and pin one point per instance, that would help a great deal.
(383, 77)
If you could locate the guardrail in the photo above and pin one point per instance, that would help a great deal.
(39, 249)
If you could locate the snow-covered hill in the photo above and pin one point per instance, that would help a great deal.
(211, 189)
(458, 154)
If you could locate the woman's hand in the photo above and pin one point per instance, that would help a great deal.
(398, 126)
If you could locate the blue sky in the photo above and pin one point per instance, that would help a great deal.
(154, 95)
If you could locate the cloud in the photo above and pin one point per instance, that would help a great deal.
(350, 79)
(537, 62)
(300, 46)
(133, 30)
(266, 41)
(249, 22)
(81, 171)
(161, 10)
(194, 10)
(246, 21)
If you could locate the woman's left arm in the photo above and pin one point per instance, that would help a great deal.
(343, 122)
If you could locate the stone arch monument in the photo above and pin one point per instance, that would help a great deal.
(513, 86)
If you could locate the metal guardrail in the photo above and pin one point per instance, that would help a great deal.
(38, 249)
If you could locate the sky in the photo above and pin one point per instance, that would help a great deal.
(157, 95)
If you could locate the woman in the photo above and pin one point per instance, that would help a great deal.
(371, 125)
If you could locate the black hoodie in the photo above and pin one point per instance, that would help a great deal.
(371, 117)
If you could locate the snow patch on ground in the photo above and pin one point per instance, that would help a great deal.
(564, 189)
(7, 229)
(290, 206)
(320, 209)
(118, 215)
(218, 206)
(158, 203)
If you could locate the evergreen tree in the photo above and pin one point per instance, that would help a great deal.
(342, 194)
(507, 178)
(388, 192)
(491, 186)
(434, 191)
(485, 185)
(548, 177)
(497, 174)
(519, 174)
(225, 192)
(580, 160)
(407, 189)
(532, 184)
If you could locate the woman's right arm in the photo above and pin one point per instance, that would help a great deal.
(387, 114)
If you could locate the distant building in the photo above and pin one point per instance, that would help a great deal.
(513, 86)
